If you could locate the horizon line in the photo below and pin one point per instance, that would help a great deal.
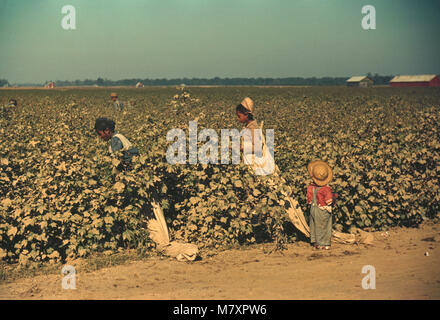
(210, 79)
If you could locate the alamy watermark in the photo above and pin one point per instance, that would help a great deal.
(69, 279)
(69, 20)
(256, 147)
(369, 281)
(369, 20)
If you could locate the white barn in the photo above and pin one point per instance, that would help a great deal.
(360, 81)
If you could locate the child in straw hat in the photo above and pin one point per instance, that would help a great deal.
(320, 197)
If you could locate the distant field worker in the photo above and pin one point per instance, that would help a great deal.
(105, 128)
(6, 111)
(253, 144)
(12, 102)
(320, 197)
(117, 105)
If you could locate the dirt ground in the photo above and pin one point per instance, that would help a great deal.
(406, 261)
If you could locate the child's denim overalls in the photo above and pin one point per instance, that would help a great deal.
(320, 223)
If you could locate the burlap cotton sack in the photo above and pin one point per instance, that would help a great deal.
(364, 237)
(158, 230)
(181, 251)
(297, 218)
(262, 165)
(344, 238)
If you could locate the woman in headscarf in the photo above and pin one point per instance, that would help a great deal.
(254, 148)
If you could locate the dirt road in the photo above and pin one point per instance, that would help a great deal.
(403, 271)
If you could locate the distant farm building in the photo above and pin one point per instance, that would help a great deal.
(139, 85)
(424, 80)
(50, 85)
(360, 81)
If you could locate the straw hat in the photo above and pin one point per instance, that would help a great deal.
(248, 104)
(320, 172)
(113, 94)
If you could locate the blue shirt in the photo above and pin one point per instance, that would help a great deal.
(116, 145)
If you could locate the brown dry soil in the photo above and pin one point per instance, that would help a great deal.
(407, 264)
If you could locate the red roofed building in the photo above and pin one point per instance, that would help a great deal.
(50, 85)
(425, 80)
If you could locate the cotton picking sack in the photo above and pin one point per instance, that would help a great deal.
(296, 216)
(158, 230)
(264, 165)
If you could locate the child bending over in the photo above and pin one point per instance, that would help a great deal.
(105, 128)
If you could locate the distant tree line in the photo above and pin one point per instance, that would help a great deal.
(290, 81)
(299, 81)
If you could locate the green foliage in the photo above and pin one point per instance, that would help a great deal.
(228, 205)
(59, 197)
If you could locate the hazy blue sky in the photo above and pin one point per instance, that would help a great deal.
(118, 39)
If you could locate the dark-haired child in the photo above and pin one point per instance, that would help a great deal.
(156, 224)
(105, 128)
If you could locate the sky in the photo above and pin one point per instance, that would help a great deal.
(121, 39)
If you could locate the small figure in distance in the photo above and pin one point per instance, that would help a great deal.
(6, 111)
(12, 102)
(117, 105)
